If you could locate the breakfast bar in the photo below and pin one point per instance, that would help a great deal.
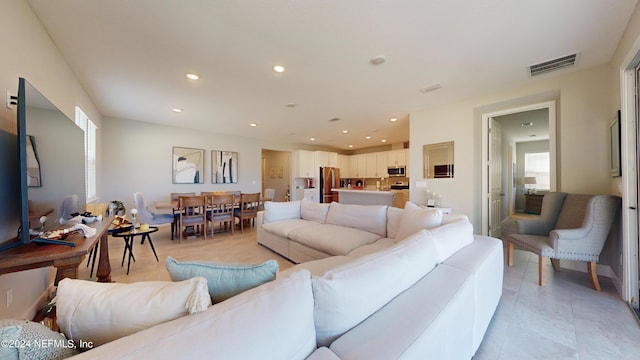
(369, 197)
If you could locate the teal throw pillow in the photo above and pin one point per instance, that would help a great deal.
(10, 342)
(35, 341)
(224, 280)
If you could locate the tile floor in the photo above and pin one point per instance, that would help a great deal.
(566, 319)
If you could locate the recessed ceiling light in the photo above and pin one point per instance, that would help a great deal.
(192, 76)
(393, 119)
(312, 139)
(176, 110)
(377, 60)
(350, 145)
(253, 124)
(526, 124)
(367, 137)
(383, 140)
(345, 131)
(278, 68)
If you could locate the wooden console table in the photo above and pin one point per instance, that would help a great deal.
(64, 258)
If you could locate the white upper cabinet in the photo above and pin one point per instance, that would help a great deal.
(357, 166)
(344, 165)
(326, 159)
(397, 157)
(305, 162)
(376, 164)
(382, 162)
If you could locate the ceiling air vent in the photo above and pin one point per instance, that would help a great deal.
(334, 119)
(552, 65)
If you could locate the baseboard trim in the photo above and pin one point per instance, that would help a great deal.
(602, 270)
(37, 306)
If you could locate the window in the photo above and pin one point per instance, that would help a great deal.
(90, 151)
(538, 165)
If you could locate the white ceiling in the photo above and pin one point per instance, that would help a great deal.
(131, 56)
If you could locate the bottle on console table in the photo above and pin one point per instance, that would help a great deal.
(431, 199)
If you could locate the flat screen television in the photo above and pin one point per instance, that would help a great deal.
(51, 162)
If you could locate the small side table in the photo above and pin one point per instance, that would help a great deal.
(533, 203)
(129, 237)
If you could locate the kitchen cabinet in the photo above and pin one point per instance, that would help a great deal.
(326, 159)
(312, 194)
(357, 166)
(376, 164)
(305, 163)
(344, 165)
(397, 158)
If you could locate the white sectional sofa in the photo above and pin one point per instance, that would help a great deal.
(304, 230)
(430, 294)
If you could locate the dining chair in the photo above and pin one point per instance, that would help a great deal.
(174, 197)
(69, 206)
(247, 209)
(220, 210)
(191, 214)
(269, 194)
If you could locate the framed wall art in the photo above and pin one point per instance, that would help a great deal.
(188, 165)
(224, 167)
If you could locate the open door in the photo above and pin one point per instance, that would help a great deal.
(495, 178)
(492, 181)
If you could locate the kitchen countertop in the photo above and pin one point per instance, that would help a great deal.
(367, 191)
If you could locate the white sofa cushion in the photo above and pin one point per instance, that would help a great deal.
(394, 216)
(349, 293)
(433, 319)
(371, 248)
(451, 237)
(415, 218)
(371, 218)
(277, 211)
(313, 211)
(103, 312)
(270, 322)
(319, 267)
(332, 239)
(284, 227)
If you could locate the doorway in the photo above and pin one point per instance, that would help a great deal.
(503, 187)
(276, 173)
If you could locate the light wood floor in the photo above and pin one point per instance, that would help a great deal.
(240, 248)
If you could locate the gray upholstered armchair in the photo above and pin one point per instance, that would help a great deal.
(578, 232)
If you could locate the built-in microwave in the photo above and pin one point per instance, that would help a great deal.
(397, 171)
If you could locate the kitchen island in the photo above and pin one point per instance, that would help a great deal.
(371, 197)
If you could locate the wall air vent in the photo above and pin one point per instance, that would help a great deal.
(552, 65)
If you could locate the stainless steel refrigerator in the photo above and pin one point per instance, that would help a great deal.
(329, 179)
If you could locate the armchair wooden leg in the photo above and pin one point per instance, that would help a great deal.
(593, 275)
(510, 253)
(541, 270)
(556, 264)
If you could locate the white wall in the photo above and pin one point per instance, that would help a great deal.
(29, 52)
(583, 112)
(137, 157)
